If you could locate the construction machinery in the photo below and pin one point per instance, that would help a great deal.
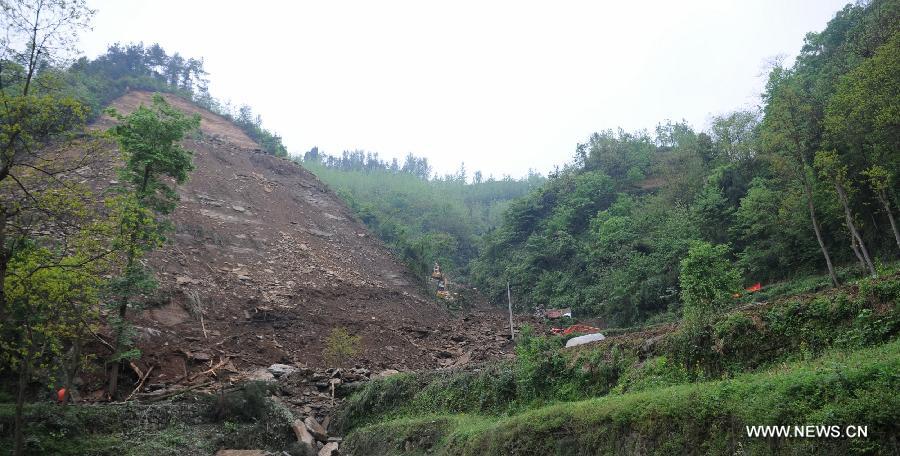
(442, 283)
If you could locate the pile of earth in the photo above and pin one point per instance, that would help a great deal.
(264, 262)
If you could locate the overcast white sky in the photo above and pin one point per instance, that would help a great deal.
(502, 86)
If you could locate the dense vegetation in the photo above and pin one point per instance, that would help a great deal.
(699, 418)
(806, 183)
(193, 426)
(96, 82)
(799, 194)
(67, 250)
(424, 218)
(802, 359)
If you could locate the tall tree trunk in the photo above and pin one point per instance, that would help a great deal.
(71, 370)
(122, 310)
(807, 187)
(4, 263)
(887, 210)
(862, 263)
(815, 223)
(117, 364)
(842, 195)
(19, 426)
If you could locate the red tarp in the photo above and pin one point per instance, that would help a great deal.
(752, 289)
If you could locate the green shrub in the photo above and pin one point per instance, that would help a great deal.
(340, 346)
(653, 373)
(539, 363)
(707, 280)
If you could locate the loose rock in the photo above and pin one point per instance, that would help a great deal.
(279, 370)
(316, 429)
(330, 449)
(303, 436)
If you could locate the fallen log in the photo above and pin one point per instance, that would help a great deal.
(171, 394)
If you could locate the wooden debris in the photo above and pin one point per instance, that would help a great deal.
(141, 384)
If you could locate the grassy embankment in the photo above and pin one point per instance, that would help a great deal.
(825, 358)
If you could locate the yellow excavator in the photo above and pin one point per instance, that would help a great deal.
(443, 283)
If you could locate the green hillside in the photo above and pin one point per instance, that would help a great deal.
(829, 358)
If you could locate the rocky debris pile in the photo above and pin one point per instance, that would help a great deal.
(265, 261)
(478, 336)
(311, 394)
(314, 393)
(314, 438)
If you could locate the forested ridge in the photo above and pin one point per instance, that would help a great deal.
(134, 66)
(424, 217)
(606, 236)
(804, 184)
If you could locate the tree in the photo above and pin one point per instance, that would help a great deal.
(770, 231)
(863, 122)
(879, 179)
(34, 282)
(149, 139)
(52, 303)
(679, 162)
(37, 33)
(788, 136)
(734, 135)
(829, 166)
(312, 155)
(707, 280)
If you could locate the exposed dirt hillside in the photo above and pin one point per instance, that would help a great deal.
(265, 260)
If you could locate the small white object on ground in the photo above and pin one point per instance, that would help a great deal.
(584, 339)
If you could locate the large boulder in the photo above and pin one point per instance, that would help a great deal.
(305, 439)
(280, 370)
(330, 449)
(316, 429)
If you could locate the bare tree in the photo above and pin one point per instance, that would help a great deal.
(40, 32)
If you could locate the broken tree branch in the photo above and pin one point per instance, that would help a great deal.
(141, 384)
(136, 370)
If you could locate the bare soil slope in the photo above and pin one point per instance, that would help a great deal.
(265, 260)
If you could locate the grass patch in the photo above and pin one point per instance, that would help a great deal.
(756, 338)
(193, 426)
(841, 388)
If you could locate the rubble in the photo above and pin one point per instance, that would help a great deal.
(330, 449)
(303, 436)
(263, 263)
(278, 370)
(316, 429)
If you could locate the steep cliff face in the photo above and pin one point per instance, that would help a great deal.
(265, 261)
